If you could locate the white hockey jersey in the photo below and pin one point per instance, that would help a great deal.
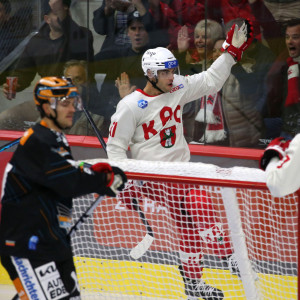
(283, 175)
(152, 125)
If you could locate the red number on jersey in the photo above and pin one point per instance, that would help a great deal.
(286, 159)
(112, 129)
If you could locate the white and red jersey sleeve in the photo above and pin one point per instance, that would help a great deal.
(283, 175)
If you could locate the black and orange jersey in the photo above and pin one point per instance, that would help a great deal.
(38, 186)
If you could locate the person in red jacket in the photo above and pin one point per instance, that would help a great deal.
(283, 86)
(173, 14)
(232, 9)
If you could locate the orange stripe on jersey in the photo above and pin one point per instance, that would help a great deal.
(64, 219)
(19, 183)
(49, 227)
(26, 136)
(59, 169)
(20, 289)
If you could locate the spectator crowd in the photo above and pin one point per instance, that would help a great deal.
(259, 101)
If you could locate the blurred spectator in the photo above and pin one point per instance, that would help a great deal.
(272, 30)
(210, 125)
(284, 10)
(13, 29)
(265, 26)
(58, 40)
(195, 59)
(24, 115)
(5, 9)
(232, 9)
(124, 59)
(238, 107)
(217, 48)
(273, 35)
(78, 72)
(111, 20)
(173, 14)
(283, 95)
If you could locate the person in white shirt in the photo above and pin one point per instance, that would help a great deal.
(281, 161)
(150, 122)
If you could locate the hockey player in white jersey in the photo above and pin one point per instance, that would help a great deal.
(150, 122)
(281, 161)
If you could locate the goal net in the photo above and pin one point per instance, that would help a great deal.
(199, 215)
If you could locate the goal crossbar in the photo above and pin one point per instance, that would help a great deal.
(202, 181)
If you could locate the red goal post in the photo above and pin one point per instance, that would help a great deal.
(263, 231)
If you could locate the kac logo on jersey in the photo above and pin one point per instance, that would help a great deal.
(168, 137)
(142, 103)
(213, 234)
(176, 88)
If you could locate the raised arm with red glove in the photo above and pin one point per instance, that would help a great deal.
(238, 39)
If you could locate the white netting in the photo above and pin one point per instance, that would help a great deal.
(189, 169)
(266, 244)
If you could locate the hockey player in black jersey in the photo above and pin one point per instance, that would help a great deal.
(38, 186)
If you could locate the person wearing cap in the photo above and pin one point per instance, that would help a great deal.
(58, 40)
(39, 183)
(122, 65)
(110, 20)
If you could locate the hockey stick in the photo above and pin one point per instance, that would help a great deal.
(140, 249)
(85, 215)
(96, 130)
(10, 144)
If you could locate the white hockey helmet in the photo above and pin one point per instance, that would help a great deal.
(158, 59)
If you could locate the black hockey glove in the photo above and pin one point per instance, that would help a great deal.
(276, 148)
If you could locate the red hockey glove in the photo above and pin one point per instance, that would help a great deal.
(238, 39)
(276, 148)
(117, 180)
